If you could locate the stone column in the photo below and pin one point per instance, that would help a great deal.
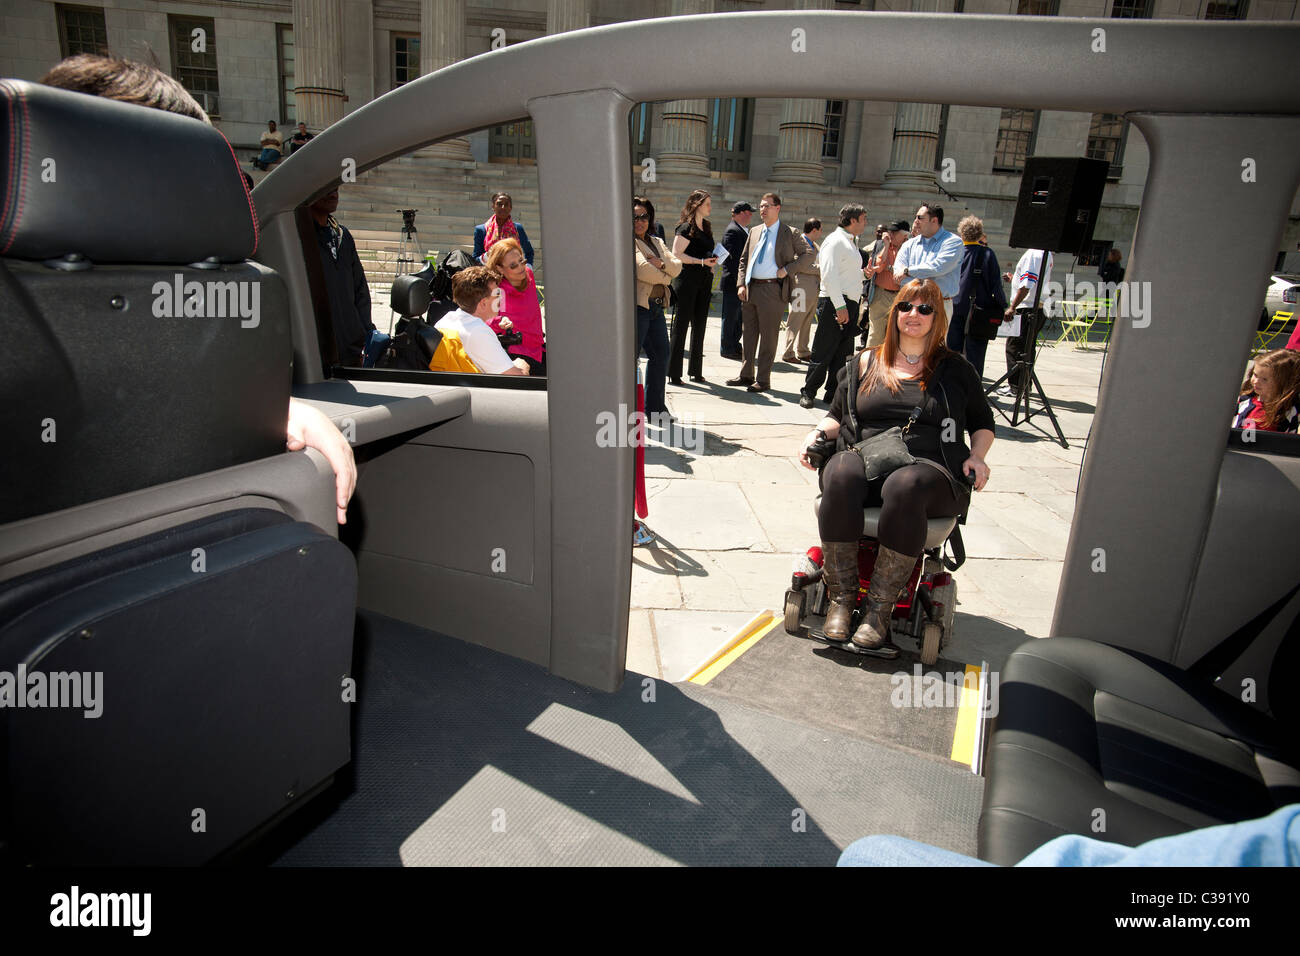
(799, 142)
(318, 51)
(442, 43)
(565, 15)
(685, 141)
(802, 129)
(916, 137)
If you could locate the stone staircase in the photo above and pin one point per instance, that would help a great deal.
(453, 197)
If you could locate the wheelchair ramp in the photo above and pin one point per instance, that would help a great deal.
(899, 702)
(466, 757)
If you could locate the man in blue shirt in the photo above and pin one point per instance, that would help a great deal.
(934, 254)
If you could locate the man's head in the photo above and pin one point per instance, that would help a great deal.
(270, 126)
(302, 129)
(475, 290)
(853, 218)
(125, 80)
(812, 228)
(898, 231)
(743, 213)
(324, 207)
(1113, 255)
(930, 219)
(970, 229)
(769, 208)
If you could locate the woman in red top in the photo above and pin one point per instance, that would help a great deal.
(1271, 393)
(521, 310)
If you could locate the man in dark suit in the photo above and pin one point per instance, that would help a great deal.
(764, 284)
(733, 240)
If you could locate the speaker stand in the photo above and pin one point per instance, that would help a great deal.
(1028, 377)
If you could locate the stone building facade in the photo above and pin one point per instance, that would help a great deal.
(316, 60)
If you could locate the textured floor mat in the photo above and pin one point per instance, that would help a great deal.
(810, 682)
(463, 756)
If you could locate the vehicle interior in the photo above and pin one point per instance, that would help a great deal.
(442, 679)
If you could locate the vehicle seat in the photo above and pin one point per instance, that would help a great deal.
(1112, 744)
(937, 530)
(157, 541)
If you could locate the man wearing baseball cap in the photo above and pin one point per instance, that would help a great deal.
(881, 269)
(733, 240)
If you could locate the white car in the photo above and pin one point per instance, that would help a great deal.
(1283, 292)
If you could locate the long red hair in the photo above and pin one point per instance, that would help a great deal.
(882, 369)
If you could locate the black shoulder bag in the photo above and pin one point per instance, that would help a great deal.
(886, 451)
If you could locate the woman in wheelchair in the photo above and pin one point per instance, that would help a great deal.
(912, 369)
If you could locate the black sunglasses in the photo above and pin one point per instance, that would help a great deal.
(922, 308)
(640, 218)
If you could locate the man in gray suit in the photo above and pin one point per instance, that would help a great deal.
(765, 284)
(803, 306)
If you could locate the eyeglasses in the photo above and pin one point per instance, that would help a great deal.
(923, 308)
(640, 218)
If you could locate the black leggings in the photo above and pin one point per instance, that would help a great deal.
(906, 498)
(694, 287)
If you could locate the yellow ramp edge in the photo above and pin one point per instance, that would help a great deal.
(741, 641)
(968, 716)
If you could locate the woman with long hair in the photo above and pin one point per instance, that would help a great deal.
(521, 309)
(1270, 395)
(911, 375)
(692, 244)
(656, 267)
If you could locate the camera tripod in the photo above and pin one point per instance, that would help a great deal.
(408, 249)
(1026, 376)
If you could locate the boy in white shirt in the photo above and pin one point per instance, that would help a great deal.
(476, 291)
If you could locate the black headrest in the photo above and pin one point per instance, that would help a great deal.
(116, 182)
(409, 295)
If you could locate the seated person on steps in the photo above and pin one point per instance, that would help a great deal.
(911, 368)
(477, 292)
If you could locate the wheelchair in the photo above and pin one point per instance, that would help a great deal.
(923, 614)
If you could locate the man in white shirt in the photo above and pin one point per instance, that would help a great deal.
(1024, 281)
(476, 290)
(840, 266)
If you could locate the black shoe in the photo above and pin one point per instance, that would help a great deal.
(676, 380)
(740, 381)
(700, 378)
(805, 401)
(759, 387)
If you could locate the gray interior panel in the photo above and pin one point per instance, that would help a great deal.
(369, 411)
(301, 484)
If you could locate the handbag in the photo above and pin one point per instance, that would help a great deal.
(887, 451)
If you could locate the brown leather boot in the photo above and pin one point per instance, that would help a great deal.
(888, 579)
(840, 566)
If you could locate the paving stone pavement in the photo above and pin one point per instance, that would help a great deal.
(731, 507)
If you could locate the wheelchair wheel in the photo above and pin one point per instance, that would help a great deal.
(794, 601)
(931, 636)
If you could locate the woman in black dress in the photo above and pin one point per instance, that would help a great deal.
(693, 244)
(911, 368)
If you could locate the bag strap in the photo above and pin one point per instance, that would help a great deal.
(958, 550)
(851, 398)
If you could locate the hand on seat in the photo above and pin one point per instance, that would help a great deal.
(308, 427)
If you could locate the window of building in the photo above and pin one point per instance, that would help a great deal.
(284, 44)
(832, 140)
(1106, 137)
(1131, 9)
(1096, 253)
(1038, 8)
(1226, 9)
(1016, 130)
(81, 30)
(640, 129)
(406, 58)
(194, 59)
